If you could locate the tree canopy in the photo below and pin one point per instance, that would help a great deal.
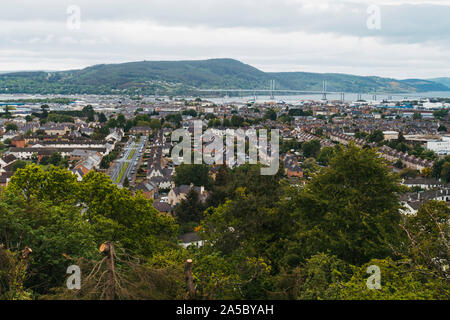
(262, 237)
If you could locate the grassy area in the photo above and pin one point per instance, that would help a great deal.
(122, 172)
(44, 167)
(131, 154)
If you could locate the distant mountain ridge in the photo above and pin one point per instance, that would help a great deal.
(444, 81)
(184, 77)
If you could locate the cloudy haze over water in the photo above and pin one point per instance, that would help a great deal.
(413, 40)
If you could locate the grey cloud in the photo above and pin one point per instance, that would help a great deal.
(409, 23)
(263, 33)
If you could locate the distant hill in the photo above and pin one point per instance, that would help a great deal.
(357, 84)
(443, 81)
(183, 77)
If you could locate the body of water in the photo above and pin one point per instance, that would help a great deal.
(349, 97)
(291, 99)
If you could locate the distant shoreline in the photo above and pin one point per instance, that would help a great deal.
(242, 99)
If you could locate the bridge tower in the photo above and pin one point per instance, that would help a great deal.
(272, 87)
(324, 90)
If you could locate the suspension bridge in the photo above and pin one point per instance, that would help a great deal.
(324, 92)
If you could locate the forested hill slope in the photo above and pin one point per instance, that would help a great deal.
(183, 77)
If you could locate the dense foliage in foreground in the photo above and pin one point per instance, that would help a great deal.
(264, 238)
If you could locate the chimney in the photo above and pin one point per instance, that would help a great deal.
(202, 189)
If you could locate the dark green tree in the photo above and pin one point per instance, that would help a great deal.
(376, 136)
(311, 149)
(11, 127)
(126, 183)
(325, 155)
(350, 209)
(445, 172)
(270, 114)
(236, 121)
(19, 164)
(198, 174)
(190, 209)
(55, 158)
(102, 118)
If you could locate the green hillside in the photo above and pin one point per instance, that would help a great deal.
(183, 77)
(444, 81)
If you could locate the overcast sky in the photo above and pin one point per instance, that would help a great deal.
(412, 41)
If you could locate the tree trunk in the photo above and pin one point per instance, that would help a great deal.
(107, 248)
(189, 278)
